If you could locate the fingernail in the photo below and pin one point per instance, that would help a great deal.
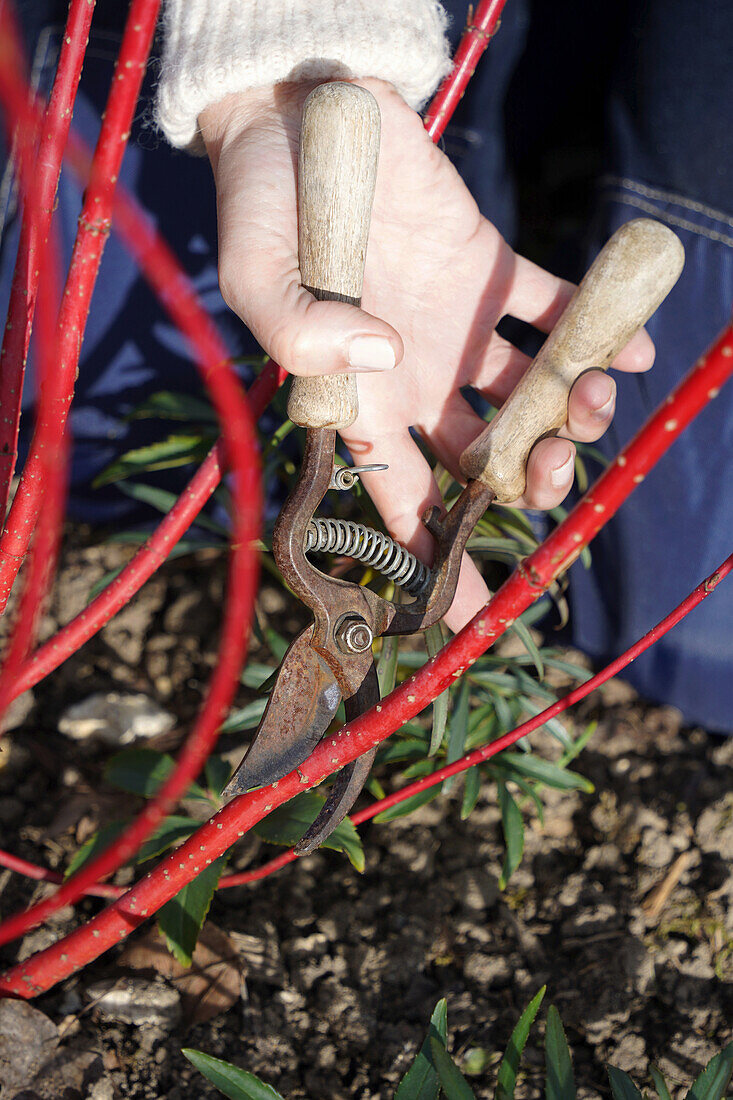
(606, 410)
(371, 353)
(561, 474)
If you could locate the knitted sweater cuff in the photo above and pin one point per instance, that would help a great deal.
(215, 47)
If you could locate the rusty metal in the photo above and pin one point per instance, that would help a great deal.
(332, 659)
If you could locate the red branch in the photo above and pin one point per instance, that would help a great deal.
(479, 32)
(525, 585)
(241, 450)
(477, 756)
(92, 233)
(33, 236)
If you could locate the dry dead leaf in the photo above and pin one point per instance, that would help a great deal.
(210, 986)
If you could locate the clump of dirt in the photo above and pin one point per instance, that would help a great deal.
(623, 904)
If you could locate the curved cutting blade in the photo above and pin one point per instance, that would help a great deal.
(350, 779)
(303, 702)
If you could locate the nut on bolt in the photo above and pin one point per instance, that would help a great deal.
(353, 634)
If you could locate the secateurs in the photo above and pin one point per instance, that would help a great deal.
(332, 658)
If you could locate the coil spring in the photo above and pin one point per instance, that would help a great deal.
(354, 540)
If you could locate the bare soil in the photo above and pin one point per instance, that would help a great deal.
(343, 970)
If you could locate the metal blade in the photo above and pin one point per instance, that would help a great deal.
(302, 704)
(351, 779)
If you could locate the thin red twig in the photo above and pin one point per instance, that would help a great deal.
(526, 584)
(92, 233)
(33, 235)
(481, 27)
(240, 444)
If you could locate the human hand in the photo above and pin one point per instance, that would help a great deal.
(438, 279)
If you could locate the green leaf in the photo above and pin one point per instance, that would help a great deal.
(578, 745)
(522, 632)
(387, 665)
(715, 1078)
(255, 675)
(287, 823)
(164, 501)
(421, 1080)
(233, 1082)
(395, 751)
(458, 731)
(434, 641)
(659, 1084)
(471, 791)
(217, 772)
(176, 450)
(181, 918)
(509, 1067)
(454, 1084)
(169, 832)
(143, 772)
(536, 768)
(402, 809)
(102, 583)
(512, 826)
(560, 1079)
(173, 406)
(622, 1087)
(92, 847)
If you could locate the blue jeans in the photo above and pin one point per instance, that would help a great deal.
(645, 112)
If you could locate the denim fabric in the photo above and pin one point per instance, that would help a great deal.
(644, 103)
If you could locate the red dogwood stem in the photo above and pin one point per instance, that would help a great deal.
(482, 26)
(241, 450)
(477, 756)
(93, 230)
(33, 235)
(525, 585)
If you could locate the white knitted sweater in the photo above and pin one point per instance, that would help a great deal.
(216, 47)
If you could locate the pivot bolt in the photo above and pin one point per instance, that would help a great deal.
(353, 635)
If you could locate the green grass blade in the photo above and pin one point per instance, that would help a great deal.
(560, 1084)
(660, 1084)
(713, 1082)
(453, 1083)
(434, 642)
(458, 731)
(421, 1080)
(512, 825)
(233, 1082)
(509, 1067)
(622, 1087)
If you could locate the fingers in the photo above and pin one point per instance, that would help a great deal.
(539, 298)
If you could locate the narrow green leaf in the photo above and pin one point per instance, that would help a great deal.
(181, 918)
(471, 791)
(578, 745)
(166, 405)
(622, 1087)
(402, 809)
(509, 1067)
(512, 826)
(287, 823)
(246, 718)
(554, 776)
(660, 1084)
(102, 583)
(233, 1082)
(396, 751)
(143, 772)
(421, 1080)
(434, 641)
(169, 832)
(387, 664)
(715, 1078)
(176, 450)
(164, 501)
(522, 632)
(454, 1084)
(560, 1078)
(255, 675)
(95, 844)
(217, 773)
(458, 731)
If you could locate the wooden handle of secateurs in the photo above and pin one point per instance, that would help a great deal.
(337, 170)
(625, 284)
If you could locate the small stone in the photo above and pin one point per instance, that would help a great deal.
(115, 719)
(27, 1041)
(136, 1001)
